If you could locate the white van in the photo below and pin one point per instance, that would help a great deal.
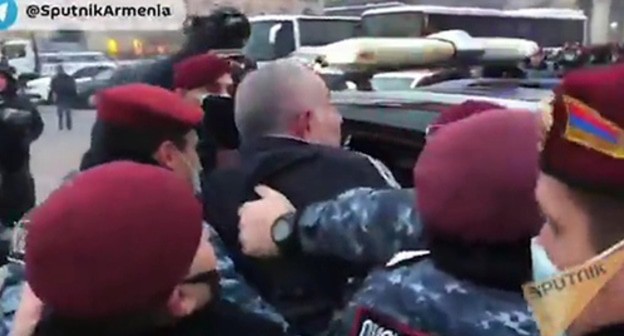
(21, 55)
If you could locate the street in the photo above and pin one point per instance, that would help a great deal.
(56, 152)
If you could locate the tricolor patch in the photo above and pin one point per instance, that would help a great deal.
(588, 128)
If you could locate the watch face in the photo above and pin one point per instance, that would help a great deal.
(281, 230)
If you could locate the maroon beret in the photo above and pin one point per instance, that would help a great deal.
(145, 106)
(476, 179)
(198, 71)
(117, 239)
(584, 144)
(461, 111)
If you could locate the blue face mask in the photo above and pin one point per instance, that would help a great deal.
(543, 267)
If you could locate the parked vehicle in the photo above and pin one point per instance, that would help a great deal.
(87, 91)
(73, 61)
(400, 80)
(392, 125)
(38, 90)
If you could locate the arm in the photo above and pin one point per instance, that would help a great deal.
(36, 125)
(362, 226)
(234, 287)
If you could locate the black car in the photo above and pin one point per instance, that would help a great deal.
(87, 91)
(392, 133)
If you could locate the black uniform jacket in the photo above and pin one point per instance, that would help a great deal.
(305, 289)
(20, 125)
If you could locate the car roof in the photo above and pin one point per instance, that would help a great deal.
(262, 18)
(537, 13)
(411, 110)
(532, 90)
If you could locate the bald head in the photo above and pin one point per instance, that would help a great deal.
(271, 98)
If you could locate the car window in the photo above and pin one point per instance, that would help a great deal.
(88, 72)
(51, 59)
(12, 51)
(87, 58)
(391, 83)
(74, 58)
(105, 75)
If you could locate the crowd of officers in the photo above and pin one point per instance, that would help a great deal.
(211, 203)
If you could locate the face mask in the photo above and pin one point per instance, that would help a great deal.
(543, 267)
(558, 297)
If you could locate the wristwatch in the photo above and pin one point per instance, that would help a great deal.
(283, 232)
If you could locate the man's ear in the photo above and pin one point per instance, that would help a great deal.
(166, 154)
(179, 304)
(301, 125)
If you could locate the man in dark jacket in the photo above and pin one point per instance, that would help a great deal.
(291, 139)
(225, 28)
(63, 87)
(137, 274)
(20, 125)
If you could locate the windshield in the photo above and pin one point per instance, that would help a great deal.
(391, 84)
(12, 51)
(404, 24)
(319, 32)
(259, 46)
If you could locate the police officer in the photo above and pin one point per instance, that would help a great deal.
(581, 193)
(137, 274)
(20, 125)
(479, 213)
(207, 80)
(151, 125)
(225, 28)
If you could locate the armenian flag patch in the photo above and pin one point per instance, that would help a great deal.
(588, 128)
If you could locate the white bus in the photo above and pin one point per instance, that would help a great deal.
(547, 27)
(276, 36)
(357, 10)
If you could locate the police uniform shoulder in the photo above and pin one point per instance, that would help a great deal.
(406, 258)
